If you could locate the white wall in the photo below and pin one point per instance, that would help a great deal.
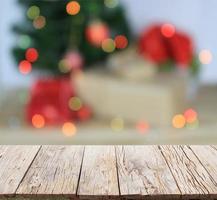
(195, 16)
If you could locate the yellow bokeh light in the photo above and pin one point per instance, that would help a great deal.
(75, 103)
(205, 57)
(108, 45)
(63, 66)
(33, 12)
(111, 3)
(117, 124)
(179, 121)
(73, 8)
(69, 129)
(39, 22)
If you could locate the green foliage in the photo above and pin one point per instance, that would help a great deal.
(63, 31)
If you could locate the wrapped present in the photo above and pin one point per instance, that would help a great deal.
(155, 101)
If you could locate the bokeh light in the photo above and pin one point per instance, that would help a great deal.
(190, 115)
(168, 30)
(39, 22)
(31, 54)
(24, 41)
(117, 124)
(205, 57)
(121, 42)
(142, 127)
(108, 45)
(97, 32)
(63, 66)
(75, 103)
(193, 125)
(38, 121)
(33, 12)
(111, 3)
(69, 129)
(25, 67)
(178, 121)
(73, 8)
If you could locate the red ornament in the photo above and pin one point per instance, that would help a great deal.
(31, 54)
(84, 113)
(152, 46)
(96, 32)
(161, 43)
(181, 49)
(121, 42)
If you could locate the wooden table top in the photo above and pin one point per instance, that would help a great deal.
(72, 172)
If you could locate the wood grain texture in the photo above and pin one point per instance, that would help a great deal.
(14, 162)
(207, 155)
(191, 177)
(98, 174)
(55, 171)
(142, 170)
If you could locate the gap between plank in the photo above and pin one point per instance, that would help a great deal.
(161, 151)
(79, 176)
(28, 169)
(116, 160)
(201, 163)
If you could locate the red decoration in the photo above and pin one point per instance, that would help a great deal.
(25, 67)
(49, 98)
(121, 42)
(161, 43)
(31, 54)
(96, 32)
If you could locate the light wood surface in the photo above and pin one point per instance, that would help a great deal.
(108, 172)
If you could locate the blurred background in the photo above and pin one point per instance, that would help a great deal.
(108, 72)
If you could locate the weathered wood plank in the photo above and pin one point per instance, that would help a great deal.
(142, 170)
(55, 171)
(98, 174)
(207, 155)
(14, 162)
(191, 177)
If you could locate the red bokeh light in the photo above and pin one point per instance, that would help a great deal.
(84, 113)
(121, 42)
(142, 127)
(25, 67)
(31, 54)
(190, 115)
(168, 30)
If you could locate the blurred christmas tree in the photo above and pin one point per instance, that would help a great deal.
(58, 35)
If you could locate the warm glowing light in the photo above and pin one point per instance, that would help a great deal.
(69, 129)
(31, 54)
(142, 127)
(205, 57)
(117, 124)
(168, 30)
(33, 12)
(108, 45)
(111, 3)
(178, 121)
(25, 67)
(190, 115)
(121, 42)
(39, 22)
(75, 103)
(38, 121)
(97, 32)
(24, 41)
(73, 8)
